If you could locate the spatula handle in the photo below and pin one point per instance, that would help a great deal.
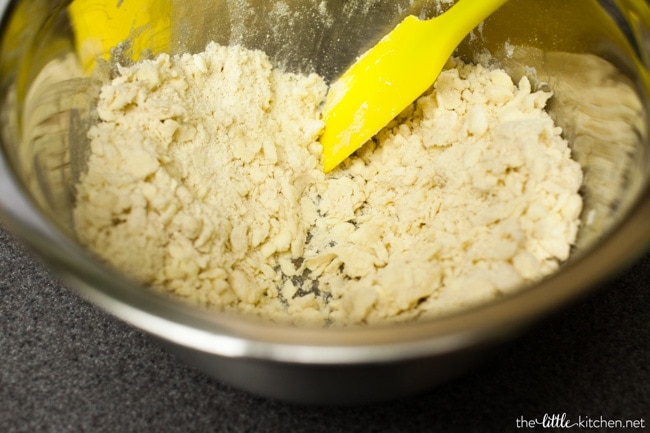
(464, 16)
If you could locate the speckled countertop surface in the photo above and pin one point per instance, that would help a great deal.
(66, 366)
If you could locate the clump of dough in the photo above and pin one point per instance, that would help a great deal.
(205, 181)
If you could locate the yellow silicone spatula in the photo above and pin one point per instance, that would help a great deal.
(100, 25)
(392, 74)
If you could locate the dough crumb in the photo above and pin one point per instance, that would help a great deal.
(204, 181)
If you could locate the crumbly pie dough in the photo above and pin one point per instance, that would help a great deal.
(204, 181)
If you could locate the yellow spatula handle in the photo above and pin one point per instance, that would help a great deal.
(462, 18)
(100, 25)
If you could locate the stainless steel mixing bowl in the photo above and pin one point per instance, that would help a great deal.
(593, 54)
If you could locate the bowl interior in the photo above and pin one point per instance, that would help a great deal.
(592, 55)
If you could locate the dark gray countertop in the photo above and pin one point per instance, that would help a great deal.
(66, 366)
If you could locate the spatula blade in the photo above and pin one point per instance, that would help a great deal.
(378, 86)
(392, 74)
